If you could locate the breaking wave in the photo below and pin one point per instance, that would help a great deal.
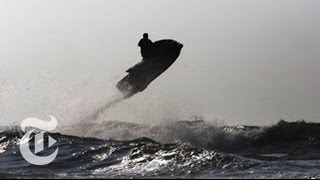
(180, 149)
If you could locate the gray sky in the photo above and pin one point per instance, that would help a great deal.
(243, 62)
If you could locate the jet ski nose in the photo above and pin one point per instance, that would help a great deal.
(180, 45)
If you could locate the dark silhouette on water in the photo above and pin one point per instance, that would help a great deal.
(146, 46)
(157, 57)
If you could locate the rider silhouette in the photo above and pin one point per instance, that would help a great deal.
(146, 46)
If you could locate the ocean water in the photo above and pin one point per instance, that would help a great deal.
(183, 149)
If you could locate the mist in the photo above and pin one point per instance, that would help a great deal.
(243, 62)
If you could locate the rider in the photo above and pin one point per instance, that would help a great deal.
(146, 46)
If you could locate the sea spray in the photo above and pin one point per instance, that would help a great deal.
(265, 157)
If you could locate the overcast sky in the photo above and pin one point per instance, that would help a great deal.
(243, 61)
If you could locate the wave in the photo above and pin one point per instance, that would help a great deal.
(290, 138)
(179, 149)
(134, 158)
